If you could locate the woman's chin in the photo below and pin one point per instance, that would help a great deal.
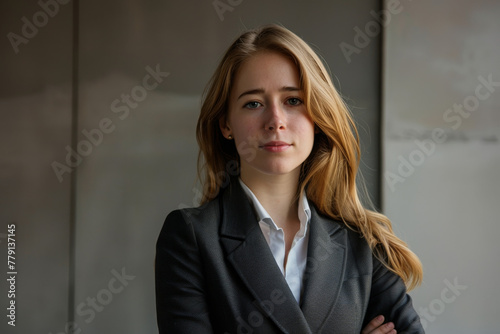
(278, 171)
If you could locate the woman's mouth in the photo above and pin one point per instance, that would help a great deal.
(275, 146)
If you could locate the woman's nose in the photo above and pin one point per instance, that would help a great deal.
(276, 118)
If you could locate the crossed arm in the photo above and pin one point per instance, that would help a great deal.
(377, 326)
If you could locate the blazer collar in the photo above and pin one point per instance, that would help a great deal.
(326, 263)
(249, 254)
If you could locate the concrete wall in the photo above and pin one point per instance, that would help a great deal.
(442, 156)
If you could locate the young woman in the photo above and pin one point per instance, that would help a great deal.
(281, 243)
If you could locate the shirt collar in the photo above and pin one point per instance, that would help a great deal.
(304, 209)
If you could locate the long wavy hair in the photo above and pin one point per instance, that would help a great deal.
(328, 176)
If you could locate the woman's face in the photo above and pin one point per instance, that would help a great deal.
(267, 118)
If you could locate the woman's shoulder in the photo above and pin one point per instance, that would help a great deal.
(195, 217)
(344, 234)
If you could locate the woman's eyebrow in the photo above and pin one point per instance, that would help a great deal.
(262, 91)
(251, 92)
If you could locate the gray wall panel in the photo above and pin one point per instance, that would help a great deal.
(443, 196)
(35, 127)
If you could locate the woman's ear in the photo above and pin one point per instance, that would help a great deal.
(224, 128)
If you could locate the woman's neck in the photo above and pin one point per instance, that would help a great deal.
(277, 194)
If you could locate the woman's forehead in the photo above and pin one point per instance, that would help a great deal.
(266, 71)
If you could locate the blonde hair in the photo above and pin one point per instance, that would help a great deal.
(329, 173)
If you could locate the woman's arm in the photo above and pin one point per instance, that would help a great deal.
(388, 297)
(181, 305)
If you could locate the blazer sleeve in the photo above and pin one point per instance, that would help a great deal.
(388, 297)
(181, 305)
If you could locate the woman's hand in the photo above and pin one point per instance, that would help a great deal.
(377, 326)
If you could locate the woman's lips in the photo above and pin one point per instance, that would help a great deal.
(275, 146)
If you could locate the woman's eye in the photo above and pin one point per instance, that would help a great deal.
(252, 105)
(294, 101)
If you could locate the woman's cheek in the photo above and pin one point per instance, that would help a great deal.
(246, 151)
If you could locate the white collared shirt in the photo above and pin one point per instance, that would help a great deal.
(275, 237)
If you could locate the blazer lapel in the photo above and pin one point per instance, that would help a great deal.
(326, 261)
(249, 254)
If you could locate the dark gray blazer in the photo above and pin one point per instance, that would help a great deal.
(215, 273)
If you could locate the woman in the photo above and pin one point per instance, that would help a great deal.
(281, 243)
